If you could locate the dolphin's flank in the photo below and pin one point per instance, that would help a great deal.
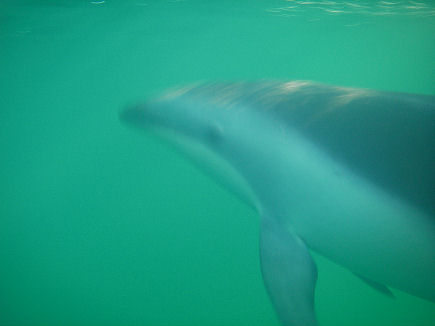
(346, 172)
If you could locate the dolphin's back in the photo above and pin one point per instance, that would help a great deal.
(386, 137)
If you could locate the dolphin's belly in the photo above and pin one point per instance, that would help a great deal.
(353, 222)
(375, 236)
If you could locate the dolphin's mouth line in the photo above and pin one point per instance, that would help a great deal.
(136, 116)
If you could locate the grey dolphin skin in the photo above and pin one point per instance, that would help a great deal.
(345, 172)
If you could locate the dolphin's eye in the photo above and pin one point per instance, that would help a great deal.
(214, 134)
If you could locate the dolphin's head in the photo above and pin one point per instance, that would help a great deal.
(178, 119)
(212, 134)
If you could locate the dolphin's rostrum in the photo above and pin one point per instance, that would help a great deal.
(346, 172)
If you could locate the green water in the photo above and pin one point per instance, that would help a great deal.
(100, 225)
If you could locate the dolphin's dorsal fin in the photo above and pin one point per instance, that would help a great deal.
(289, 274)
(381, 288)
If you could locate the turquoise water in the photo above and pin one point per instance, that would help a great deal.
(103, 226)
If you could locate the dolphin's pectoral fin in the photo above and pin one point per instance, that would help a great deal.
(289, 274)
(377, 286)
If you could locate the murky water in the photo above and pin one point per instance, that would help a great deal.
(101, 225)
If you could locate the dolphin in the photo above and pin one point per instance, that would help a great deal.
(344, 172)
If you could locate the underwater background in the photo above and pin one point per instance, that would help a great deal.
(101, 225)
